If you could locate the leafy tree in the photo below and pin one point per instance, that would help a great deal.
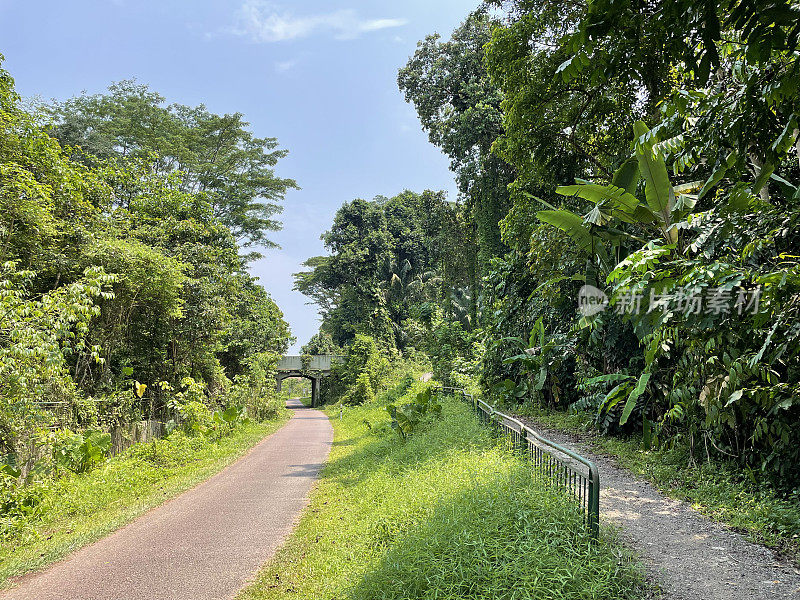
(385, 256)
(38, 338)
(257, 326)
(459, 106)
(216, 154)
(321, 343)
(555, 131)
(120, 281)
(717, 81)
(729, 71)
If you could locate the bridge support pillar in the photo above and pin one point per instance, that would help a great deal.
(315, 391)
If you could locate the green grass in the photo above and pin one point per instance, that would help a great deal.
(719, 490)
(80, 509)
(447, 514)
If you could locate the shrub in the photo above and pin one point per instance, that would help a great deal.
(81, 452)
(394, 394)
(118, 409)
(197, 417)
(265, 407)
(362, 392)
(255, 388)
(19, 504)
(364, 357)
(409, 416)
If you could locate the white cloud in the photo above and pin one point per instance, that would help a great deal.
(263, 22)
(282, 66)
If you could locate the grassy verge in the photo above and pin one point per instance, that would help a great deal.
(446, 514)
(717, 489)
(77, 510)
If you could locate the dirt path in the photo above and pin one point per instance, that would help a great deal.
(691, 557)
(206, 543)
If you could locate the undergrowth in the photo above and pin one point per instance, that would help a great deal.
(720, 490)
(78, 509)
(445, 513)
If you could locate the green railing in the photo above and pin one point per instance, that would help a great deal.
(551, 463)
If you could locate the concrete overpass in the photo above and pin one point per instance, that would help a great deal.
(313, 367)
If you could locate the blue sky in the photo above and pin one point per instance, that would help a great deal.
(319, 76)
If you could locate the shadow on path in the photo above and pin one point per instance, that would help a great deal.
(208, 542)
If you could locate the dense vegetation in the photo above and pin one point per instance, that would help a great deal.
(446, 513)
(640, 158)
(650, 151)
(702, 207)
(397, 281)
(124, 290)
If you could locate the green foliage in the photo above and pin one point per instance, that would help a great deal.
(706, 203)
(445, 514)
(116, 409)
(197, 417)
(120, 265)
(543, 364)
(216, 154)
(364, 373)
(255, 388)
(18, 506)
(321, 343)
(361, 392)
(724, 73)
(387, 257)
(38, 338)
(409, 416)
(460, 108)
(81, 452)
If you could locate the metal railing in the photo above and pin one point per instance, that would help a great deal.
(551, 463)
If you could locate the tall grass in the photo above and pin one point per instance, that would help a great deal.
(446, 514)
(79, 509)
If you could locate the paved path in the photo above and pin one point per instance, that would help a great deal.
(687, 554)
(206, 543)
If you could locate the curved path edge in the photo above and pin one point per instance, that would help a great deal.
(689, 556)
(208, 542)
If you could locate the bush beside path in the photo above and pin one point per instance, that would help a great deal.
(207, 542)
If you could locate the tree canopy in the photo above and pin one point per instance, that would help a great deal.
(215, 155)
(117, 266)
(648, 150)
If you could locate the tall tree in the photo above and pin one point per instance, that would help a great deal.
(385, 256)
(216, 155)
(112, 268)
(460, 108)
(724, 73)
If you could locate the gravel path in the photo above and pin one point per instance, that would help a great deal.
(689, 556)
(209, 541)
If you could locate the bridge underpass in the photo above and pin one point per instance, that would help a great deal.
(313, 367)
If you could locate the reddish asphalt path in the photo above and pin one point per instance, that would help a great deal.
(209, 541)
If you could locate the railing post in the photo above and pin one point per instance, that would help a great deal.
(545, 459)
(593, 507)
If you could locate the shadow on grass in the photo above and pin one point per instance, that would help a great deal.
(501, 538)
(381, 449)
(445, 514)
